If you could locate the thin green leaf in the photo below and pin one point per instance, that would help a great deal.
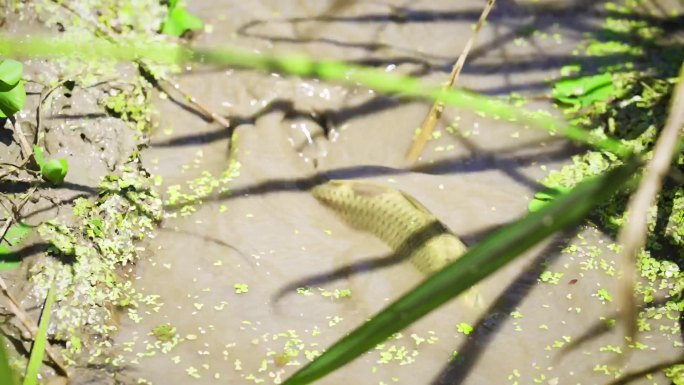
(38, 348)
(10, 74)
(12, 100)
(478, 263)
(54, 171)
(327, 70)
(6, 374)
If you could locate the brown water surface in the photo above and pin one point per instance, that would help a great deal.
(268, 232)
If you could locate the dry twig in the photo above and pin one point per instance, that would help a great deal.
(21, 138)
(435, 113)
(632, 236)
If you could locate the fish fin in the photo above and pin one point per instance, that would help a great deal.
(414, 202)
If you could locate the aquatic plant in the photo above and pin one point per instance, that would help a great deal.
(12, 92)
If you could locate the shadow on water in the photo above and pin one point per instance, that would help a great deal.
(599, 328)
(485, 161)
(636, 375)
(497, 314)
(18, 186)
(207, 238)
(367, 265)
(325, 118)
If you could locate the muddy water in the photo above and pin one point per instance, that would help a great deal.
(219, 269)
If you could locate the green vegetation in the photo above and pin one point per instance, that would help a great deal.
(616, 108)
(6, 373)
(53, 171)
(12, 92)
(38, 348)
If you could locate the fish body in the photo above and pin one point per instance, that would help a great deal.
(396, 218)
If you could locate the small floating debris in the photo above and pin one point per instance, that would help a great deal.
(241, 288)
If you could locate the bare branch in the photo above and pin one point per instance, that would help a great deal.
(435, 113)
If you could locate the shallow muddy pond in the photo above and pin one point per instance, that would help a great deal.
(219, 266)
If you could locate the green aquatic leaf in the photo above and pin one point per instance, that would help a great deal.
(10, 74)
(12, 100)
(38, 348)
(179, 20)
(544, 197)
(12, 92)
(6, 374)
(53, 171)
(584, 90)
(481, 261)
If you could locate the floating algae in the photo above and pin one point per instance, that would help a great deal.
(396, 218)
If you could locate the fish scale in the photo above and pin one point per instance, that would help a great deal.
(394, 217)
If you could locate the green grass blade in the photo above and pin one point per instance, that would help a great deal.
(481, 261)
(301, 65)
(38, 348)
(6, 375)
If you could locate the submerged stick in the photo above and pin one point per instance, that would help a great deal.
(632, 236)
(437, 108)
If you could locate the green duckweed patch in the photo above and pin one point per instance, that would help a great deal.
(86, 259)
(624, 94)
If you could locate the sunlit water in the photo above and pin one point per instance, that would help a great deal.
(217, 270)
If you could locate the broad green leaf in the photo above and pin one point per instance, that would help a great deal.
(545, 196)
(12, 100)
(180, 20)
(584, 90)
(6, 375)
(55, 170)
(478, 263)
(10, 74)
(38, 348)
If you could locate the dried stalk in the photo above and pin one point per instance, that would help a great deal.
(435, 113)
(21, 138)
(632, 236)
